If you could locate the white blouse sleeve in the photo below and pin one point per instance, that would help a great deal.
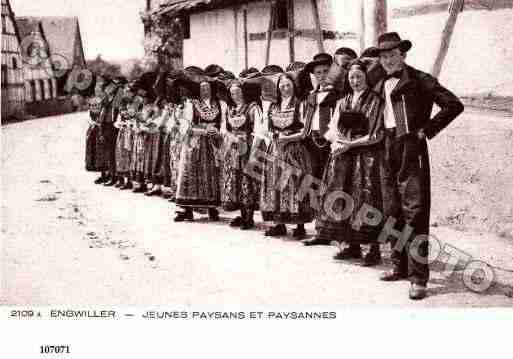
(224, 115)
(332, 133)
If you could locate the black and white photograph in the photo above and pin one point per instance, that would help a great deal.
(317, 162)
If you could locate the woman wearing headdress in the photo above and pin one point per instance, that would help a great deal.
(94, 103)
(356, 134)
(141, 140)
(287, 163)
(124, 142)
(199, 168)
(239, 190)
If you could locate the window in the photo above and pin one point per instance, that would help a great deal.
(186, 26)
(33, 90)
(14, 63)
(4, 28)
(281, 16)
(50, 87)
(148, 5)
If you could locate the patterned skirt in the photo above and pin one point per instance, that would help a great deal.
(284, 170)
(358, 174)
(175, 148)
(124, 146)
(138, 155)
(238, 189)
(161, 176)
(152, 156)
(198, 171)
(90, 148)
(105, 153)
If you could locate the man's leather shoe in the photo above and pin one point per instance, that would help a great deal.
(317, 242)
(392, 275)
(236, 222)
(417, 291)
(277, 230)
(167, 195)
(349, 253)
(371, 259)
(184, 216)
(120, 183)
(247, 224)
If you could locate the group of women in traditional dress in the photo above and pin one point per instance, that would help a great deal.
(212, 141)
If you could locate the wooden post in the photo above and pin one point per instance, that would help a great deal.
(245, 30)
(292, 31)
(455, 7)
(269, 33)
(318, 30)
(376, 20)
(361, 25)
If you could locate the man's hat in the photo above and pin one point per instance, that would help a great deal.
(120, 80)
(319, 59)
(249, 73)
(392, 40)
(348, 51)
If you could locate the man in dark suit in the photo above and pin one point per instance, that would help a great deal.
(316, 110)
(409, 95)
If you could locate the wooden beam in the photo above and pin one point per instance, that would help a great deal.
(317, 20)
(457, 6)
(291, 30)
(245, 30)
(361, 25)
(269, 33)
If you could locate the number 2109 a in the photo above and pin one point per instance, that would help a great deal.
(54, 349)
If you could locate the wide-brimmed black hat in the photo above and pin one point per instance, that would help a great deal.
(213, 70)
(272, 70)
(392, 40)
(346, 50)
(247, 73)
(295, 66)
(370, 52)
(319, 59)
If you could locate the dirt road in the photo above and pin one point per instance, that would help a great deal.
(68, 241)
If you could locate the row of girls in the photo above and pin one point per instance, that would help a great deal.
(190, 136)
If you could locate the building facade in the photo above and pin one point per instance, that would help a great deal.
(238, 34)
(13, 86)
(40, 81)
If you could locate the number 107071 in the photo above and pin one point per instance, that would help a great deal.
(54, 349)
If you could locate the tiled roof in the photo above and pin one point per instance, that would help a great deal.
(175, 6)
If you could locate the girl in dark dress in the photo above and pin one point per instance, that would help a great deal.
(356, 134)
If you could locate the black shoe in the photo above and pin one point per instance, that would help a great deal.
(317, 242)
(112, 182)
(349, 253)
(128, 185)
(299, 233)
(372, 258)
(167, 195)
(184, 216)
(172, 199)
(277, 230)
(236, 222)
(247, 224)
(120, 183)
(393, 275)
(153, 192)
(213, 214)
(140, 189)
(101, 179)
